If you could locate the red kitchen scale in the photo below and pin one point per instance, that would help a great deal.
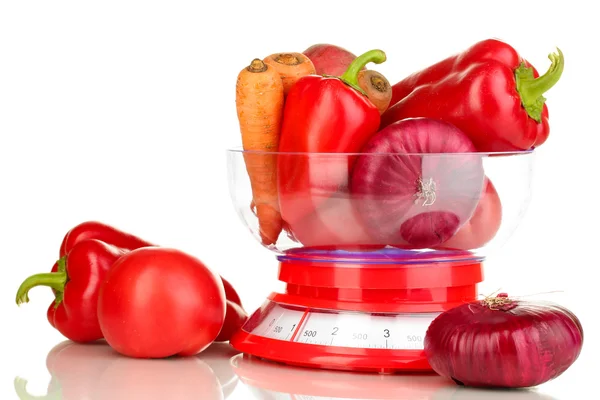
(355, 300)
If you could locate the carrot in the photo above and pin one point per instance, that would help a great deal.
(259, 104)
(291, 67)
(377, 88)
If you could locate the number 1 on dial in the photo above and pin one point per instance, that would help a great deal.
(299, 325)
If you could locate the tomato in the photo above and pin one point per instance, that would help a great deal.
(230, 292)
(483, 225)
(160, 302)
(306, 181)
(235, 317)
(333, 225)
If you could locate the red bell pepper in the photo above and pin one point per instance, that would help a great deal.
(117, 241)
(322, 114)
(118, 238)
(488, 91)
(236, 314)
(100, 231)
(76, 281)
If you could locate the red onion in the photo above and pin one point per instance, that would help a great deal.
(503, 342)
(408, 189)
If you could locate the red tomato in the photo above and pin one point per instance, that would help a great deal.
(333, 225)
(483, 225)
(159, 302)
(235, 317)
(230, 292)
(305, 182)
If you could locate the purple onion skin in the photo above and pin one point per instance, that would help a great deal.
(521, 345)
(402, 163)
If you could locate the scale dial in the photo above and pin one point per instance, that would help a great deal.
(344, 329)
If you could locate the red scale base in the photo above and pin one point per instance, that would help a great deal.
(325, 287)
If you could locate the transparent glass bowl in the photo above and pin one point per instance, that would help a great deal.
(401, 207)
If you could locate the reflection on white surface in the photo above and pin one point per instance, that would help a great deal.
(477, 394)
(273, 381)
(95, 371)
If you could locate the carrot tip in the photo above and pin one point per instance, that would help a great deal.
(270, 223)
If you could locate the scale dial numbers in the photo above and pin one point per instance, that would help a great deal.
(346, 329)
(280, 323)
(400, 332)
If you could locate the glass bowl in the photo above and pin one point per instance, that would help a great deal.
(403, 208)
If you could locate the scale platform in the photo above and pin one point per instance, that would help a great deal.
(360, 311)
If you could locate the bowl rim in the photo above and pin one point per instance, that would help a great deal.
(240, 149)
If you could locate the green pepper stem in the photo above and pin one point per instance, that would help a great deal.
(350, 77)
(531, 89)
(55, 280)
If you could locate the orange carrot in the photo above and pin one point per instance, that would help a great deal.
(259, 104)
(291, 67)
(377, 88)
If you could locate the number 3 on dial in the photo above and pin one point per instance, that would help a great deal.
(386, 333)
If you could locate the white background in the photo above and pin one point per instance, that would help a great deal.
(121, 111)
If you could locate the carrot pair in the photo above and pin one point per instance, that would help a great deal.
(261, 88)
